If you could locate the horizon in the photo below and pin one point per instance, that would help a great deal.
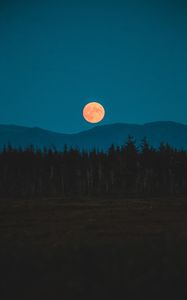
(92, 127)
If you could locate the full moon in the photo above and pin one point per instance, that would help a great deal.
(93, 112)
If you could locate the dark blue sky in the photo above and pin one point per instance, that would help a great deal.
(55, 56)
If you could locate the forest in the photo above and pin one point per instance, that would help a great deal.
(121, 172)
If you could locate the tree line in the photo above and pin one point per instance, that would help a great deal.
(125, 171)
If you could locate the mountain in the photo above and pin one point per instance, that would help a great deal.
(100, 137)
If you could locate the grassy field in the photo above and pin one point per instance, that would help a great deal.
(128, 249)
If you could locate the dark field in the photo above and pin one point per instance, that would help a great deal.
(54, 249)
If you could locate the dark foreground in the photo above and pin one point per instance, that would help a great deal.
(50, 249)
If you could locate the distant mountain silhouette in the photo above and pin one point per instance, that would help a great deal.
(99, 137)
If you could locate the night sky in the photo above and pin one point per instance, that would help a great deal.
(55, 56)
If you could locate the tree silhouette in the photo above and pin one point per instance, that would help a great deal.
(125, 171)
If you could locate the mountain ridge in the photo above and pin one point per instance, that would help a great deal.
(100, 136)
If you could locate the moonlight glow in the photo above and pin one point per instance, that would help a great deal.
(93, 112)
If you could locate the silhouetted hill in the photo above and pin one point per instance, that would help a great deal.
(99, 137)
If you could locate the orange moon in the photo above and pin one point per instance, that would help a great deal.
(93, 112)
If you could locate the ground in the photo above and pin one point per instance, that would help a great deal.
(93, 249)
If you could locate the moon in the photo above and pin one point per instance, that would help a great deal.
(93, 112)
